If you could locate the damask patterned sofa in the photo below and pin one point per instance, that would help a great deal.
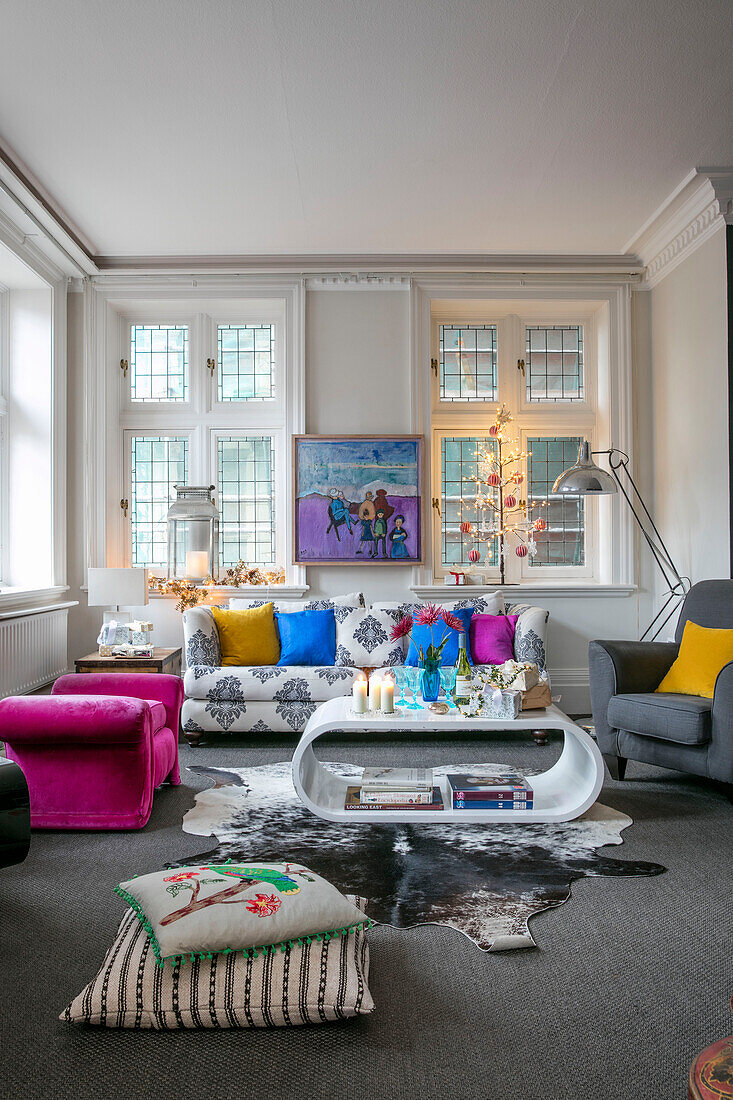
(281, 699)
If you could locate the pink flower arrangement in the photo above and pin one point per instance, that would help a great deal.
(430, 615)
(402, 629)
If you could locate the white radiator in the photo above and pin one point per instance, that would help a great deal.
(32, 650)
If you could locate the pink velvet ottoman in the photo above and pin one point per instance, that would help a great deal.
(95, 749)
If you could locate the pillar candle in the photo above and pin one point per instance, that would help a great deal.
(375, 693)
(359, 695)
(388, 695)
(197, 564)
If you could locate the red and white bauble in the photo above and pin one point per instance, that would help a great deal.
(521, 551)
(540, 525)
(466, 527)
(494, 430)
(510, 501)
(493, 479)
(473, 555)
(517, 478)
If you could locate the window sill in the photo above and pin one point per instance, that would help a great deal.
(546, 590)
(35, 609)
(283, 591)
(23, 597)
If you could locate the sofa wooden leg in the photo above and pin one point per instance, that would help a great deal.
(539, 737)
(194, 739)
(616, 766)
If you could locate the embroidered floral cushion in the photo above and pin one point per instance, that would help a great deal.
(304, 984)
(202, 910)
(363, 640)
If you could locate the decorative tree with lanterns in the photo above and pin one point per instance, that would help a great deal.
(501, 514)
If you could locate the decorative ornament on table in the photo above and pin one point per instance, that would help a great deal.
(501, 516)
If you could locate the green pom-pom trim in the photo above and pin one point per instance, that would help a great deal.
(247, 952)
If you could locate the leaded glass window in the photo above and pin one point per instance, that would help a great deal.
(460, 462)
(157, 463)
(563, 540)
(246, 499)
(159, 362)
(554, 363)
(468, 362)
(246, 362)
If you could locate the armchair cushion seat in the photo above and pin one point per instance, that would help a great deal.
(684, 719)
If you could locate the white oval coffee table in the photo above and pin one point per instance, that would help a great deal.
(563, 792)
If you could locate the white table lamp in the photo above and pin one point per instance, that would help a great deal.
(116, 588)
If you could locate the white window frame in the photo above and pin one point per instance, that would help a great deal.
(603, 416)
(117, 302)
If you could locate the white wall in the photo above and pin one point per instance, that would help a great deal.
(30, 372)
(689, 391)
(357, 380)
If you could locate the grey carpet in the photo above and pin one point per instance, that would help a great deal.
(630, 979)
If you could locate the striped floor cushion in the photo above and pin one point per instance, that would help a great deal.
(302, 985)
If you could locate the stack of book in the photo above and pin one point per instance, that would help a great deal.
(395, 789)
(490, 792)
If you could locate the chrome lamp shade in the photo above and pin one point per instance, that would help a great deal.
(585, 478)
(193, 534)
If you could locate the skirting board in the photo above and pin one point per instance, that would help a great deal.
(573, 685)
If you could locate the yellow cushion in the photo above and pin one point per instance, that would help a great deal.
(248, 637)
(703, 653)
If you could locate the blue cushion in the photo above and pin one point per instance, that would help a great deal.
(307, 637)
(429, 635)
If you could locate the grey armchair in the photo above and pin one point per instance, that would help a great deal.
(684, 732)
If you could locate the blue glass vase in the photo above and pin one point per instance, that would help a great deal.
(430, 680)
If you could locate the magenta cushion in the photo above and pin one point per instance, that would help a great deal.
(157, 713)
(492, 638)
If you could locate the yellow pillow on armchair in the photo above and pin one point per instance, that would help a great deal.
(703, 653)
(248, 637)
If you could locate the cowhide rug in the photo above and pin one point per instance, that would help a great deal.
(485, 880)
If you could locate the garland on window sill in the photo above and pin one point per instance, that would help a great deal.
(189, 595)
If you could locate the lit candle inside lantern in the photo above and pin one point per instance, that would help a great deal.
(388, 695)
(197, 564)
(359, 695)
(375, 693)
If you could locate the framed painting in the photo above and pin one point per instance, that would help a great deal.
(358, 499)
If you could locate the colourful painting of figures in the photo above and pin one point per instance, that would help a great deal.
(358, 499)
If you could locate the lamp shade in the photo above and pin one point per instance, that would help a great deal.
(117, 587)
(585, 478)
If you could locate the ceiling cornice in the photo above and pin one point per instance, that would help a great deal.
(696, 209)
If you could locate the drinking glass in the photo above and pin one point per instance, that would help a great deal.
(413, 679)
(448, 679)
(400, 678)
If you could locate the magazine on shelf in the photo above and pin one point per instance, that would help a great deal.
(353, 802)
(385, 779)
(492, 804)
(472, 785)
(393, 795)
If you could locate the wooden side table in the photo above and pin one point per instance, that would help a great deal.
(163, 660)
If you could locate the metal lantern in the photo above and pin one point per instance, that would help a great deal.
(193, 534)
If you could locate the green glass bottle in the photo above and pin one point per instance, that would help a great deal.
(464, 675)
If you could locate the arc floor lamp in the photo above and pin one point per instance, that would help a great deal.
(586, 478)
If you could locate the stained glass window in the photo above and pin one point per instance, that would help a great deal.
(460, 462)
(554, 363)
(157, 463)
(246, 499)
(246, 362)
(563, 541)
(468, 362)
(159, 362)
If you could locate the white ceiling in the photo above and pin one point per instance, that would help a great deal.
(182, 127)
